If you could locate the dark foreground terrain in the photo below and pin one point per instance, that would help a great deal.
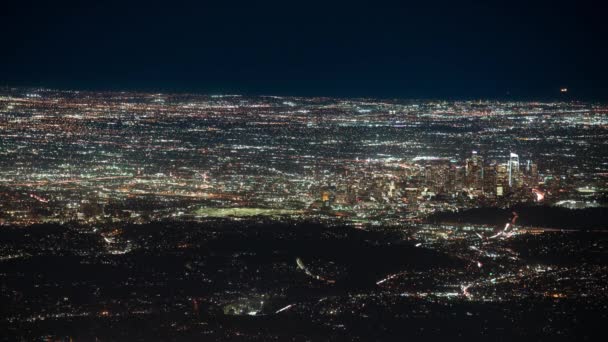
(265, 281)
(529, 215)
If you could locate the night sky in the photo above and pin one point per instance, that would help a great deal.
(428, 49)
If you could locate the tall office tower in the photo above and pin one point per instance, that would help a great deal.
(326, 198)
(443, 175)
(459, 177)
(489, 178)
(392, 189)
(530, 174)
(502, 178)
(474, 171)
(513, 167)
(534, 171)
(451, 178)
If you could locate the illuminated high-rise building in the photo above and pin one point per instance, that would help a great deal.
(530, 176)
(392, 189)
(326, 198)
(489, 178)
(502, 178)
(513, 169)
(474, 171)
(534, 171)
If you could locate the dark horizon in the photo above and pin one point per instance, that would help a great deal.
(550, 98)
(436, 50)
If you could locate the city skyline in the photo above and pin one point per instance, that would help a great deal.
(288, 156)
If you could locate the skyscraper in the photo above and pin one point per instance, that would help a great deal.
(513, 167)
(474, 171)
